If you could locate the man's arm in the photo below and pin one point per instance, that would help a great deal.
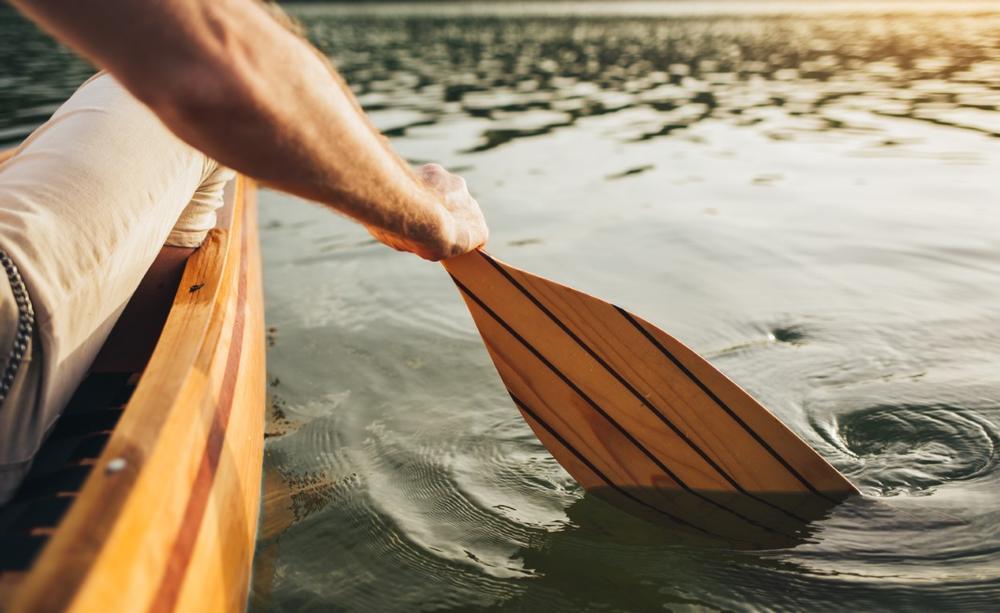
(230, 81)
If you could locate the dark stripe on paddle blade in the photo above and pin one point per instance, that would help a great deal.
(659, 463)
(640, 397)
(670, 356)
(579, 456)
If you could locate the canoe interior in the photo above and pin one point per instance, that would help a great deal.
(67, 457)
(174, 399)
(82, 431)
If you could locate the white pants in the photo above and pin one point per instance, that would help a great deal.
(86, 203)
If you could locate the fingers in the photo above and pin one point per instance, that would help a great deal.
(470, 230)
(400, 244)
(476, 230)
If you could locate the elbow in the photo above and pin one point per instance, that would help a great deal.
(191, 98)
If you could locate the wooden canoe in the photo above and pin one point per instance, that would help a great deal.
(146, 495)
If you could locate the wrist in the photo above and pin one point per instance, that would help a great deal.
(431, 232)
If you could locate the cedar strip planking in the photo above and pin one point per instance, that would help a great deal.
(183, 547)
(229, 528)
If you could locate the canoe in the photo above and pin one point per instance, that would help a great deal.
(146, 495)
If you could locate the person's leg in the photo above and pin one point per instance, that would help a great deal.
(85, 205)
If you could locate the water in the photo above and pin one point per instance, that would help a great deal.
(809, 200)
(36, 76)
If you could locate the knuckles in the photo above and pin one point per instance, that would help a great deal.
(471, 229)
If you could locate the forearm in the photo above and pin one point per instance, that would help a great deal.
(233, 83)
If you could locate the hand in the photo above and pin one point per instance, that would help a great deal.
(468, 226)
(457, 227)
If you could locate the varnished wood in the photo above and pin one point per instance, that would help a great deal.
(632, 413)
(174, 528)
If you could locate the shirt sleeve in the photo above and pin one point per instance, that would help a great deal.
(199, 216)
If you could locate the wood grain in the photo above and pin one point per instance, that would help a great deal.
(628, 409)
(174, 529)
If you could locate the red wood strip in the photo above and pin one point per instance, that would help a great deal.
(183, 548)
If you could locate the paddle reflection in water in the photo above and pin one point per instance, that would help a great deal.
(601, 552)
(728, 520)
(639, 561)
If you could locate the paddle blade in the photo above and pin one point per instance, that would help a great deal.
(625, 407)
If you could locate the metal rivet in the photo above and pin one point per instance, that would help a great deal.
(114, 465)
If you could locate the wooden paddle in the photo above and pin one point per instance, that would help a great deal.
(637, 417)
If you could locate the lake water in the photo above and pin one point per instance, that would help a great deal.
(806, 194)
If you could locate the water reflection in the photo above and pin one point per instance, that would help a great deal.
(36, 76)
(786, 76)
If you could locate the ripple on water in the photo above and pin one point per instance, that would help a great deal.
(913, 449)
